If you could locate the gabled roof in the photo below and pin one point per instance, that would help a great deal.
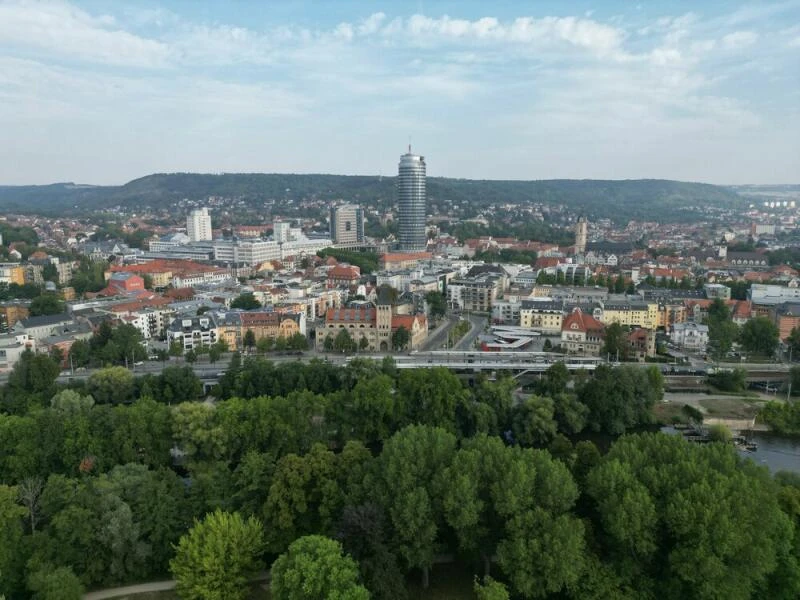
(578, 320)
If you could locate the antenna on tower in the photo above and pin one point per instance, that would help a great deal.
(409, 144)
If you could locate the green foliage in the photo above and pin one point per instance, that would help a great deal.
(120, 345)
(437, 304)
(505, 255)
(722, 331)
(113, 385)
(46, 304)
(216, 558)
(759, 335)
(50, 583)
(729, 380)
(314, 568)
(783, 417)
(533, 422)
(343, 342)
(686, 519)
(246, 301)
(490, 590)
(366, 261)
(720, 433)
(616, 342)
(621, 398)
(400, 338)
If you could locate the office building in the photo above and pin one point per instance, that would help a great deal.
(412, 202)
(347, 224)
(281, 231)
(581, 235)
(198, 225)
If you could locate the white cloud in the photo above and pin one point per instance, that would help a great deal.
(71, 33)
(739, 39)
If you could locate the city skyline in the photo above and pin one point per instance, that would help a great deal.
(104, 93)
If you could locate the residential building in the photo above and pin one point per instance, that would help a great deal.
(11, 347)
(193, 330)
(475, 294)
(543, 315)
(39, 327)
(347, 224)
(264, 324)
(717, 290)
(642, 344)
(690, 336)
(198, 225)
(375, 325)
(411, 196)
(12, 273)
(582, 334)
(630, 312)
(787, 317)
(397, 261)
(10, 313)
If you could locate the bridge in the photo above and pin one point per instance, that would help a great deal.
(520, 362)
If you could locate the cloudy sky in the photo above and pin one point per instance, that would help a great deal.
(103, 92)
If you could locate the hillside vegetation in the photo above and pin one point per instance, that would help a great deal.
(640, 199)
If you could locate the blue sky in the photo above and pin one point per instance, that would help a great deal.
(103, 92)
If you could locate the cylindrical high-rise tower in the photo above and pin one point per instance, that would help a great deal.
(411, 199)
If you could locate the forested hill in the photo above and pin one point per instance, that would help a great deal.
(646, 198)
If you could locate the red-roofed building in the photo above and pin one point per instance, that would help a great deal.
(402, 260)
(343, 276)
(373, 325)
(642, 343)
(582, 334)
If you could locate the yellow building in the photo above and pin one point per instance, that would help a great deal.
(12, 273)
(263, 325)
(541, 315)
(631, 314)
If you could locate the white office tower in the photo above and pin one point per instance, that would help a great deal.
(581, 235)
(347, 224)
(412, 202)
(198, 225)
(281, 231)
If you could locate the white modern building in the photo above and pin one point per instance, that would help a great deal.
(690, 336)
(411, 196)
(198, 225)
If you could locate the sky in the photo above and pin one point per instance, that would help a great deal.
(105, 92)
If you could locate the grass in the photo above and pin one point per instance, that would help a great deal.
(731, 408)
(668, 413)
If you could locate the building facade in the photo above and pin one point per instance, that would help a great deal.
(411, 196)
(347, 224)
(198, 225)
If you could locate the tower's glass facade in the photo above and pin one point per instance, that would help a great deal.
(411, 200)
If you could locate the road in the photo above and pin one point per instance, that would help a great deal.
(478, 323)
(438, 337)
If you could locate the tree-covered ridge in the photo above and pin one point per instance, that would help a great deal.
(645, 199)
(350, 479)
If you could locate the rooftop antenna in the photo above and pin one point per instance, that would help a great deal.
(409, 144)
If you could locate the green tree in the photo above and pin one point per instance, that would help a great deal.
(190, 356)
(55, 583)
(400, 338)
(490, 589)
(265, 344)
(304, 497)
(621, 398)
(437, 304)
(343, 342)
(214, 353)
(46, 304)
(722, 331)
(328, 343)
(411, 465)
(216, 558)
(715, 518)
(249, 339)
(113, 385)
(176, 348)
(79, 354)
(759, 335)
(616, 344)
(533, 422)
(363, 534)
(246, 301)
(11, 532)
(315, 568)
(363, 344)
